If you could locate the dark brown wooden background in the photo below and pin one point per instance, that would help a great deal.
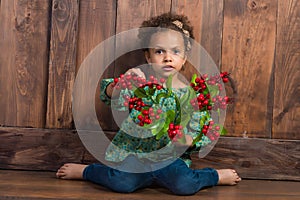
(44, 42)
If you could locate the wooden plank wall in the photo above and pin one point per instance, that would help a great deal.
(44, 42)
(24, 48)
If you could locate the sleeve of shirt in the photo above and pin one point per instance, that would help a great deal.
(116, 103)
(194, 127)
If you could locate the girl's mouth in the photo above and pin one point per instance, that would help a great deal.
(168, 68)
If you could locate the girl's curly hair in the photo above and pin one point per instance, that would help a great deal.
(167, 21)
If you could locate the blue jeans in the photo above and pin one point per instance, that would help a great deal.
(177, 177)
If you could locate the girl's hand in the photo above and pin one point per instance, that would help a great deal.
(133, 71)
(188, 141)
(136, 71)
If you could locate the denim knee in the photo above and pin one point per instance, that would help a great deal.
(184, 186)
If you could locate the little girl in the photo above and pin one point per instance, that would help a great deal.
(166, 55)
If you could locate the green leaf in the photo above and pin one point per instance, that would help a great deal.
(197, 139)
(164, 129)
(223, 131)
(186, 119)
(194, 78)
(171, 115)
(213, 90)
(154, 125)
(178, 111)
(161, 95)
(151, 91)
(183, 100)
(140, 93)
(169, 82)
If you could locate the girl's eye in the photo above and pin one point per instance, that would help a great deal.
(159, 51)
(176, 51)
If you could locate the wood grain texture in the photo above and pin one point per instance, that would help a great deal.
(24, 59)
(206, 16)
(247, 53)
(252, 158)
(38, 149)
(256, 158)
(62, 63)
(96, 24)
(29, 185)
(286, 117)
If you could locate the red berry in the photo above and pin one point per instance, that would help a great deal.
(159, 87)
(140, 117)
(171, 126)
(145, 112)
(225, 79)
(116, 80)
(147, 121)
(159, 111)
(128, 77)
(205, 102)
(162, 80)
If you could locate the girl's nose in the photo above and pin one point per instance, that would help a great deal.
(167, 57)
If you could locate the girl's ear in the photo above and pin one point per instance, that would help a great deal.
(147, 56)
(184, 59)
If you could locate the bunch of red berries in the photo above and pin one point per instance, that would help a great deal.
(128, 81)
(147, 116)
(199, 85)
(217, 79)
(134, 103)
(201, 102)
(211, 131)
(220, 102)
(175, 131)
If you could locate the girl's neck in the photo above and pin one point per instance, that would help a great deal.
(177, 83)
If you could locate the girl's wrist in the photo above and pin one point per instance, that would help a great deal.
(109, 90)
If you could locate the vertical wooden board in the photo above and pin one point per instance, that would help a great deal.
(62, 63)
(7, 65)
(247, 53)
(286, 118)
(96, 24)
(206, 16)
(24, 49)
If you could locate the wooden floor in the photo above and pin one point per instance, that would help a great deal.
(44, 185)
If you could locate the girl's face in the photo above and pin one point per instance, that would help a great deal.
(166, 53)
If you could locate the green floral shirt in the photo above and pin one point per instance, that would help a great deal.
(132, 139)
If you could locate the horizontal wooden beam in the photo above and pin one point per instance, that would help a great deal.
(48, 149)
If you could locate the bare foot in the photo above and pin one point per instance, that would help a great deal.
(228, 177)
(70, 171)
